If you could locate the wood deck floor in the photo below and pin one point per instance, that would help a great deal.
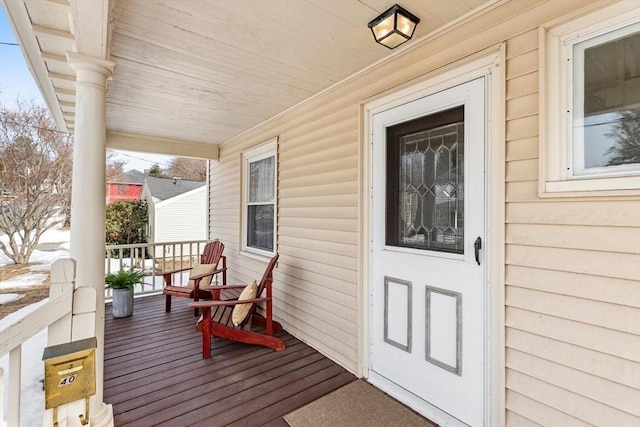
(154, 373)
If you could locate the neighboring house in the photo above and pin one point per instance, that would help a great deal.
(127, 186)
(177, 210)
(458, 221)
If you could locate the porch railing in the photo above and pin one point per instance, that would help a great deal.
(153, 258)
(56, 310)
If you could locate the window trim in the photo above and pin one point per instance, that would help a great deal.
(557, 145)
(267, 149)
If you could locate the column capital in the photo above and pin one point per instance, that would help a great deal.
(79, 62)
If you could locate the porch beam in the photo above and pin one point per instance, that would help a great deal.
(91, 27)
(170, 147)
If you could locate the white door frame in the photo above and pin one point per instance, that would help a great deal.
(490, 66)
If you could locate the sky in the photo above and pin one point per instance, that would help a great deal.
(16, 82)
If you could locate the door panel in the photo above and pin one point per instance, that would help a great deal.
(428, 209)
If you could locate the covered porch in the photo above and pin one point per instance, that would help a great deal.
(189, 78)
(154, 373)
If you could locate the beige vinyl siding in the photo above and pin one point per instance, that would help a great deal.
(316, 277)
(572, 266)
(572, 283)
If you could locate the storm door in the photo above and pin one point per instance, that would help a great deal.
(428, 263)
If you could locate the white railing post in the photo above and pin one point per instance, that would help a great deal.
(15, 381)
(63, 276)
(1, 394)
(162, 257)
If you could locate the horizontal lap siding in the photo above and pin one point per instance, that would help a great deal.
(182, 219)
(316, 277)
(319, 170)
(572, 292)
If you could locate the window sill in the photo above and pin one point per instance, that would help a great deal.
(594, 187)
(262, 256)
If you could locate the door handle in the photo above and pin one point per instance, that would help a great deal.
(477, 245)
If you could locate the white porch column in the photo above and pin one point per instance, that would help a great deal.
(88, 214)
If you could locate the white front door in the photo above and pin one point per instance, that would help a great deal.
(428, 282)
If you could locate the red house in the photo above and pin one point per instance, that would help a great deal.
(127, 186)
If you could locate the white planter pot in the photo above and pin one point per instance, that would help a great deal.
(122, 305)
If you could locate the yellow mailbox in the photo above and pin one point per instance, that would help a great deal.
(69, 374)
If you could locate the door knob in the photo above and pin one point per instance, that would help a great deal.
(477, 245)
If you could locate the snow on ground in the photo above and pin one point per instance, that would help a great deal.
(32, 396)
(5, 298)
(54, 235)
(24, 281)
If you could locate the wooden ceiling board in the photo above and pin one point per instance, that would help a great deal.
(198, 37)
(182, 45)
(59, 67)
(205, 71)
(49, 14)
(180, 129)
(55, 45)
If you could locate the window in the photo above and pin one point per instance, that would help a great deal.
(122, 189)
(592, 107)
(259, 199)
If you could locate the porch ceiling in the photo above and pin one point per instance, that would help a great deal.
(201, 72)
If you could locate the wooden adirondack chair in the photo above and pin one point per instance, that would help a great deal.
(216, 317)
(212, 255)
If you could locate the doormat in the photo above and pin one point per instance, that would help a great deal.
(356, 404)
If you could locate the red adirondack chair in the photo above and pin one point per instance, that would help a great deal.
(216, 317)
(211, 255)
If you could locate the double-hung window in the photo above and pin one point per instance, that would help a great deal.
(259, 199)
(592, 109)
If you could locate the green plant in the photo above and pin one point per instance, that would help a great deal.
(126, 223)
(123, 279)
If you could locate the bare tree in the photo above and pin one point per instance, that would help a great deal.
(35, 177)
(114, 167)
(187, 168)
(626, 131)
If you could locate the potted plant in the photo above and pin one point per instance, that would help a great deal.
(121, 284)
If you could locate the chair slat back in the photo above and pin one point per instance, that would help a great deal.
(267, 277)
(212, 252)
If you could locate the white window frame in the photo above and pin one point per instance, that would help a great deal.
(557, 178)
(263, 151)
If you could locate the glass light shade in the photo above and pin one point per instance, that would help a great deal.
(394, 27)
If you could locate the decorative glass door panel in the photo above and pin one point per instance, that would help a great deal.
(425, 183)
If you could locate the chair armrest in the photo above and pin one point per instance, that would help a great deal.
(206, 304)
(223, 287)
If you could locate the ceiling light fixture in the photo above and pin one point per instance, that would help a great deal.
(394, 27)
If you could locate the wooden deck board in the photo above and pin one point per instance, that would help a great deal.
(155, 375)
